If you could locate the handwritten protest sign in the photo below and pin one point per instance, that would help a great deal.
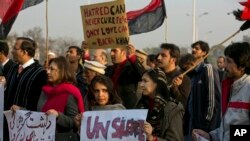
(1, 110)
(113, 125)
(199, 138)
(105, 24)
(32, 126)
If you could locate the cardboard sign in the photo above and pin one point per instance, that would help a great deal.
(30, 126)
(105, 25)
(113, 125)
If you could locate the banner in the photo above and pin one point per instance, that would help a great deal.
(113, 125)
(105, 25)
(30, 126)
(148, 18)
(9, 10)
(1, 110)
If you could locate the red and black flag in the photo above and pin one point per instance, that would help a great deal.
(147, 19)
(245, 15)
(9, 10)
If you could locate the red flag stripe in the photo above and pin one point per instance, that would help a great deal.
(247, 3)
(239, 105)
(154, 4)
(13, 10)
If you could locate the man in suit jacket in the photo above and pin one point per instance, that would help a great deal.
(5, 62)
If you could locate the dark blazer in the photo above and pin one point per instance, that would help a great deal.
(7, 66)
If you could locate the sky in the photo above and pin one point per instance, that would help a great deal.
(65, 21)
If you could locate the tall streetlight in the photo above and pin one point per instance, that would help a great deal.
(197, 26)
(194, 20)
(194, 24)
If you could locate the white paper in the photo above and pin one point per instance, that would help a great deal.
(32, 126)
(1, 110)
(113, 125)
(199, 138)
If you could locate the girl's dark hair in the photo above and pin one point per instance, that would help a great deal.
(106, 81)
(159, 77)
(66, 74)
(240, 53)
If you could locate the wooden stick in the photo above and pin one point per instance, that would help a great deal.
(47, 34)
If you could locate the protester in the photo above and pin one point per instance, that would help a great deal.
(25, 79)
(51, 55)
(101, 96)
(151, 61)
(235, 93)
(5, 62)
(221, 64)
(179, 85)
(74, 55)
(100, 55)
(92, 69)
(164, 119)
(125, 74)
(203, 107)
(85, 51)
(60, 98)
(186, 61)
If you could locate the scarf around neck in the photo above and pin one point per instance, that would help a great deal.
(57, 97)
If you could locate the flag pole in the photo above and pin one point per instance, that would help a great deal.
(46, 38)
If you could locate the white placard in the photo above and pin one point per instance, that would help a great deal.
(199, 138)
(113, 125)
(1, 110)
(28, 125)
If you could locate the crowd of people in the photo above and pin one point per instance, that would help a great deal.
(204, 101)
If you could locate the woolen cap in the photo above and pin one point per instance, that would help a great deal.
(95, 66)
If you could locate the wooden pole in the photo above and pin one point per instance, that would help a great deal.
(47, 33)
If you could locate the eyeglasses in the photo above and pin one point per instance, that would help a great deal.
(51, 69)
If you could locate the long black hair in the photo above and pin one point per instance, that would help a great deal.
(106, 81)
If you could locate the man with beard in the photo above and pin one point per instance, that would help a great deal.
(168, 60)
(125, 73)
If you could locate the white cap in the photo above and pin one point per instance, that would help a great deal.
(95, 66)
(52, 53)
